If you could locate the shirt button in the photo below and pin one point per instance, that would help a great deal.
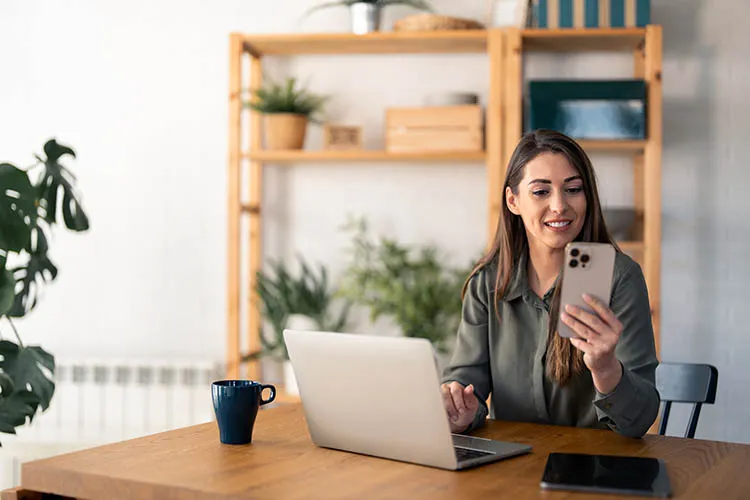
(607, 405)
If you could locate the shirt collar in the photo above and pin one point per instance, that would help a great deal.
(519, 284)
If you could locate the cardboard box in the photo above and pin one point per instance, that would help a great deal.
(435, 128)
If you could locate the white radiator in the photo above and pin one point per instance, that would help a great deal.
(101, 401)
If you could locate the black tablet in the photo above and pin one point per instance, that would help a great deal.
(606, 474)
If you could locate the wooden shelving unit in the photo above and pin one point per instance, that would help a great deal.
(505, 50)
(645, 44)
(252, 50)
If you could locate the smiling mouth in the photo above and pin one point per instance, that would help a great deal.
(558, 224)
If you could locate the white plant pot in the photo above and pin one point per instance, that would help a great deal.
(295, 322)
(290, 381)
(300, 322)
(365, 18)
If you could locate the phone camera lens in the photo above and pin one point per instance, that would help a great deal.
(584, 258)
(573, 263)
(574, 252)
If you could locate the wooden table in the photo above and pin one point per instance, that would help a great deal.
(283, 463)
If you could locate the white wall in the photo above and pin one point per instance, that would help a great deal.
(139, 89)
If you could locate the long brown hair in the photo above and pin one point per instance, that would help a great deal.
(510, 242)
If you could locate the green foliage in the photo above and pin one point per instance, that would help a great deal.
(30, 205)
(287, 98)
(25, 367)
(410, 285)
(283, 294)
(415, 4)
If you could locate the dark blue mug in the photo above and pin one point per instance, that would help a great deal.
(236, 404)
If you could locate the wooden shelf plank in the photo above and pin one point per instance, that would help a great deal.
(362, 156)
(457, 41)
(636, 146)
(582, 39)
(309, 156)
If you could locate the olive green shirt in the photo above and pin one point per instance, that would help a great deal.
(506, 358)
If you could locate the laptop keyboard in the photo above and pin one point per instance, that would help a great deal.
(467, 454)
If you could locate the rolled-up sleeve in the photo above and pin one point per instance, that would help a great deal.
(631, 408)
(470, 363)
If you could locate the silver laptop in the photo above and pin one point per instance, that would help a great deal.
(380, 396)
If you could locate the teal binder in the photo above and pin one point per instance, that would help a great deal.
(566, 13)
(642, 12)
(592, 13)
(617, 13)
(592, 8)
(542, 14)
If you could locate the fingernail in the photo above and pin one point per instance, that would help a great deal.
(564, 316)
(570, 308)
(586, 296)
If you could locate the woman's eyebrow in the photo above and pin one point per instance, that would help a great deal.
(547, 181)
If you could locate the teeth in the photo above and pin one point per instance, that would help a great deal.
(558, 224)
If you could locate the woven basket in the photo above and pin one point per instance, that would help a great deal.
(434, 22)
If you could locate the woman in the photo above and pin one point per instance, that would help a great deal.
(507, 344)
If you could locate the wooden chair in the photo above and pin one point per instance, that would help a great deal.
(685, 383)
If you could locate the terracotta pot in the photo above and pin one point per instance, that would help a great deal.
(285, 131)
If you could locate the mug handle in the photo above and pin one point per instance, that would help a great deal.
(271, 397)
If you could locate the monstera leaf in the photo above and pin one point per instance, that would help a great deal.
(16, 408)
(7, 286)
(56, 178)
(24, 365)
(29, 279)
(17, 209)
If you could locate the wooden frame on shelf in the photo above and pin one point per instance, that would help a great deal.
(341, 137)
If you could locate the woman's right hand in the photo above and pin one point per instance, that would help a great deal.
(461, 405)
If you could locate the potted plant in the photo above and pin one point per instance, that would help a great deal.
(32, 201)
(366, 14)
(303, 301)
(287, 109)
(410, 285)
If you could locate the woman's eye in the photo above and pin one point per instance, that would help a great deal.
(539, 192)
(575, 189)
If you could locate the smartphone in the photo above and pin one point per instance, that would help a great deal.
(588, 268)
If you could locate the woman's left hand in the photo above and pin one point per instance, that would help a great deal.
(598, 334)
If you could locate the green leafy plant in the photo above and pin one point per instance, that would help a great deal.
(283, 294)
(410, 285)
(287, 98)
(31, 202)
(416, 4)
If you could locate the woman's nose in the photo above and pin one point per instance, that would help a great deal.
(557, 203)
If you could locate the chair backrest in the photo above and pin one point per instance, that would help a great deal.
(685, 383)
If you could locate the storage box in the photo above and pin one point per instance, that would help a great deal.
(434, 128)
(589, 109)
(591, 13)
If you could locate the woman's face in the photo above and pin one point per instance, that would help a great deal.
(550, 201)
